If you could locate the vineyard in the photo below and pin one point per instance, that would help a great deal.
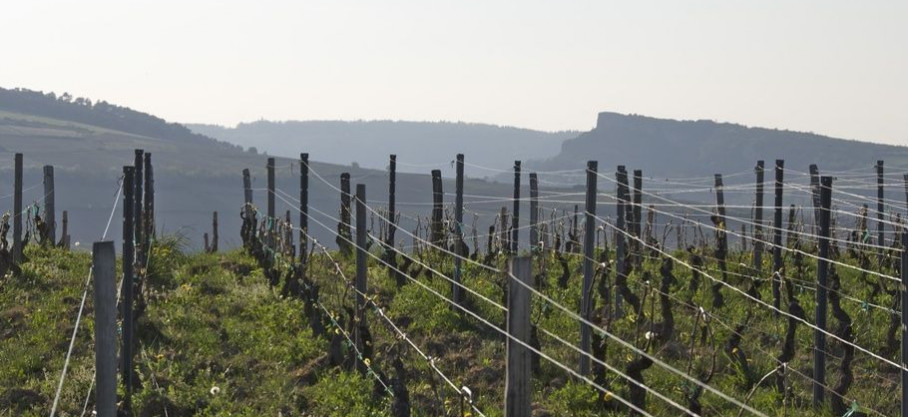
(618, 298)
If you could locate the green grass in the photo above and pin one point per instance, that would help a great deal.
(216, 340)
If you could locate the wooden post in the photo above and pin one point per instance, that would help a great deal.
(17, 210)
(64, 240)
(589, 234)
(904, 294)
(304, 207)
(392, 210)
(138, 221)
(458, 219)
(104, 265)
(149, 201)
(345, 212)
(247, 191)
(815, 196)
(620, 238)
(881, 239)
(723, 222)
(360, 282)
(214, 231)
(437, 210)
(50, 218)
(819, 337)
(758, 221)
(270, 168)
(777, 238)
(518, 383)
(128, 278)
(534, 211)
(515, 217)
(638, 217)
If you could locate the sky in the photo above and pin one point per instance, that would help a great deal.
(838, 68)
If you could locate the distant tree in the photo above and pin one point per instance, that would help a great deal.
(253, 150)
(66, 97)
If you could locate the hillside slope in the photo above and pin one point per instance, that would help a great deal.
(194, 175)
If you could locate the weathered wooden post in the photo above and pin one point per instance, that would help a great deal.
(819, 336)
(128, 281)
(435, 226)
(247, 190)
(344, 227)
(458, 227)
(515, 218)
(64, 240)
(304, 207)
(904, 294)
(589, 234)
(138, 221)
(104, 277)
(360, 282)
(758, 221)
(620, 237)
(534, 212)
(271, 209)
(392, 210)
(50, 219)
(638, 217)
(214, 231)
(881, 238)
(149, 201)
(518, 383)
(17, 209)
(777, 238)
(815, 195)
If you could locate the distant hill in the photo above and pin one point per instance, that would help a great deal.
(672, 148)
(88, 144)
(419, 146)
(98, 114)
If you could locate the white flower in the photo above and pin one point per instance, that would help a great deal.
(76, 244)
(649, 335)
(215, 390)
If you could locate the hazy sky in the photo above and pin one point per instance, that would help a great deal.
(833, 67)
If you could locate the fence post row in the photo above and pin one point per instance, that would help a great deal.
(458, 227)
(17, 210)
(360, 281)
(50, 219)
(104, 277)
(519, 360)
(819, 351)
(589, 235)
(515, 218)
(777, 238)
(128, 277)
